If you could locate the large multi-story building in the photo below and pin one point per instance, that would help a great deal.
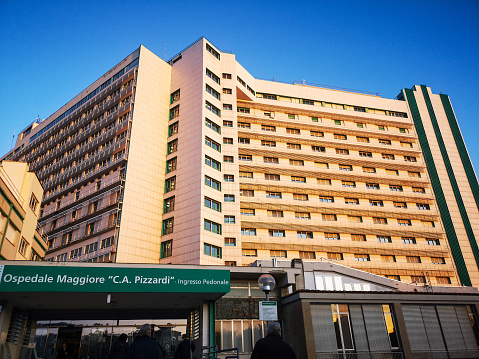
(20, 195)
(195, 161)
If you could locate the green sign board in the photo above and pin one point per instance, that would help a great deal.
(54, 278)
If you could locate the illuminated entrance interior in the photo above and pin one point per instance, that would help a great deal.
(93, 338)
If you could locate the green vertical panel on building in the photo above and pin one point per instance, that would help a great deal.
(212, 324)
(452, 176)
(438, 191)
(461, 147)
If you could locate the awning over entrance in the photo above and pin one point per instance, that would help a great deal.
(54, 289)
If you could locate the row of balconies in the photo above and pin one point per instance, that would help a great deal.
(83, 196)
(84, 135)
(84, 177)
(81, 151)
(72, 115)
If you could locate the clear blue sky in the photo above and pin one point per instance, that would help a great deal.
(51, 50)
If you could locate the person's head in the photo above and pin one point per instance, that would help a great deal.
(64, 345)
(145, 329)
(123, 337)
(184, 336)
(274, 328)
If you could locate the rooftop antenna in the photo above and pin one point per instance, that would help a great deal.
(165, 50)
(38, 120)
(13, 138)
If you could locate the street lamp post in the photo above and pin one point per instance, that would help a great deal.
(266, 283)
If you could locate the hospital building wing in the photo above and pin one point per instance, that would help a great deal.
(195, 161)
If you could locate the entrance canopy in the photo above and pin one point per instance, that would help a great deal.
(55, 290)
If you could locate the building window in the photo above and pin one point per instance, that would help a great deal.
(211, 250)
(230, 242)
(304, 234)
(275, 195)
(241, 81)
(314, 119)
(276, 233)
(414, 174)
(244, 141)
(230, 219)
(248, 231)
(90, 228)
(293, 146)
(355, 219)
(212, 125)
(348, 183)
(22, 247)
(275, 214)
(444, 280)
(423, 206)
(229, 197)
(369, 170)
(418, 190)
(212, 226)
(268, 128)
(229, 178)
(212, 92)
(418, 279)
(277, 254)
(35, 257)
(245, 157)
(174, 112)
(298, 179)
(362, 139)
(168, 226)
(335, 256)
(291, 116)
(227, 76)
(300, 197)
(384, 239)
(173, 129)
(268, 143)
(106, 242)
(395, 188)
(229, 107)
(410, 159)
(337, 122)
(384, 142)
(345, 167)
(399, 204)
(428, 224)
(438, 260)
(75, 253)
(392, 172)
(332, 236)
(406, 144)
(361, 257)
(227, 141)
(326, 199)
(358, 237)
(307, 255)
(228, 123)
(249, 252)
(321, 164)
(166, 249)
(172, 147)
(247, 212)
(213, 108)
(302, 215)
(270, 160)
(329, 217)
(388, 258)
(372, 185)
(376, 203)
(365, 154)
(293, 131)
(351, 201)
(323, 181)
(211, 203)
(33, 203)
(171, 165)
(271, 177)
(227, 91)
(170, 184)
(413, 259)
(245, 174)
(212, 76)
(228, 159)
(408, 240)
(169, 205)
(342, 151)
(433, 242)
(91, 248)
(213, 163)
(404, 222)
(318, 149)
(387, 156)
(380, 220)
(246, 192)
(296, 162)
(244, 125)
(213, 144)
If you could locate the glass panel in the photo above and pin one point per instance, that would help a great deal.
(227, 335)
(346, 329)
(257, 330)
(218, 334)
(338, 283)
(337, 330)
(41, 336)
(238, 335)
(247, 337)
(329, 283)
(390, 327)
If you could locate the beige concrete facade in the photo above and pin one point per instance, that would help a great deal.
(207, 165)
(21, 193)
